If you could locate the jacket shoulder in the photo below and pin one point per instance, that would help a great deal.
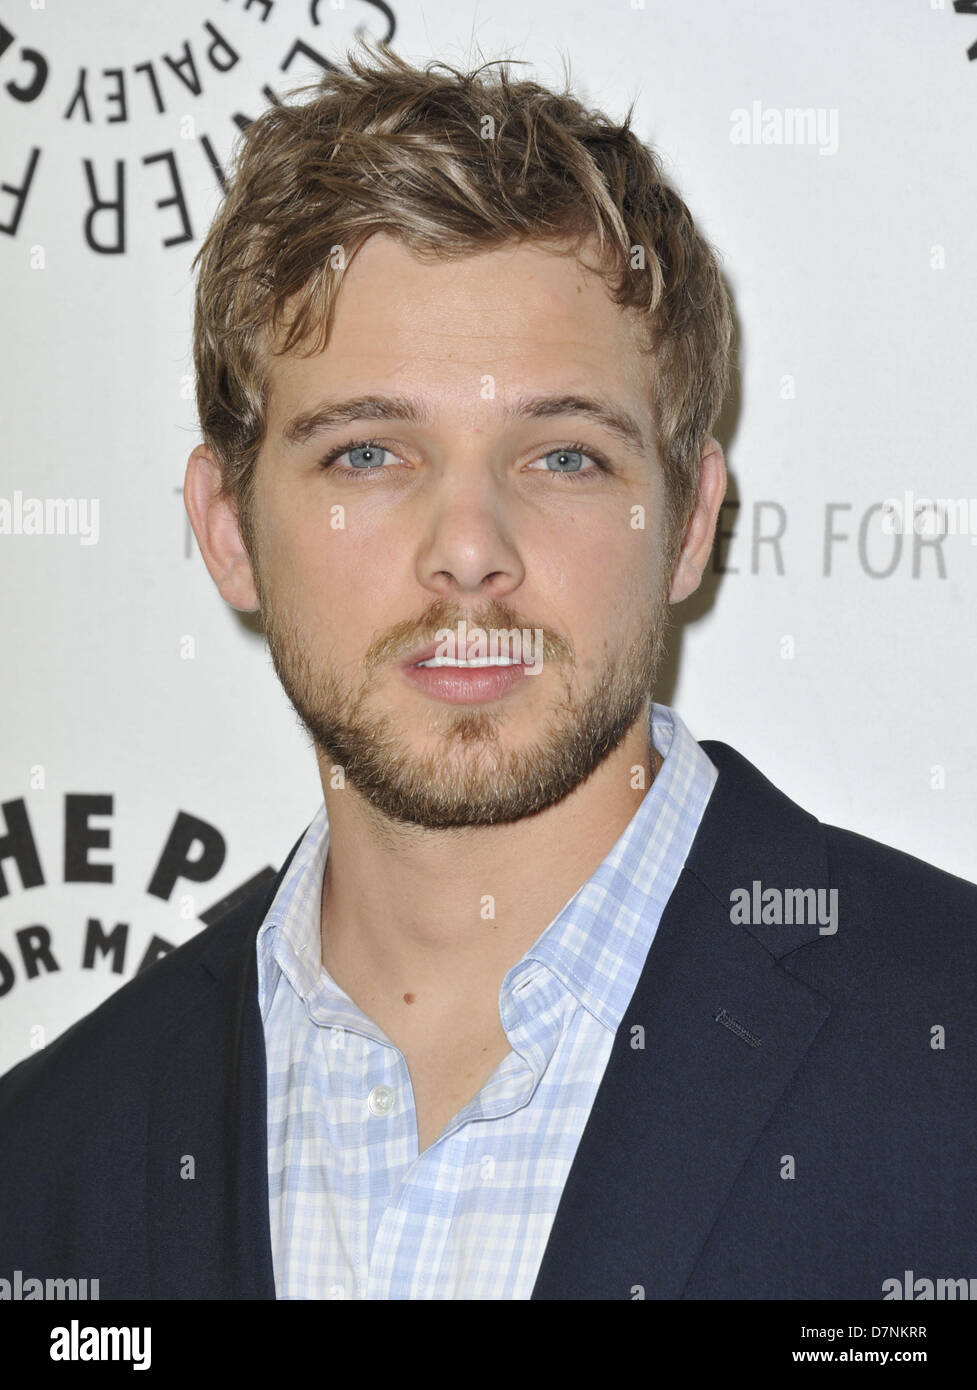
(860, 859)
(885, 896)
(901, 912)
(114, 1042)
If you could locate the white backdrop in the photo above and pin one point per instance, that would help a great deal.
(138, 705)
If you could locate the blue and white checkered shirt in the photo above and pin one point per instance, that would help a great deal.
(355, 1211)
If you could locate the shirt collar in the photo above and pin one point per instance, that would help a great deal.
(288, 940)
(597, 944)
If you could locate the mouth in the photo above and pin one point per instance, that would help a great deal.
(462, 679)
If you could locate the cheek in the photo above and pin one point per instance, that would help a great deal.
(342, 585)
(608, 566)
(591, 585)
(311, 555)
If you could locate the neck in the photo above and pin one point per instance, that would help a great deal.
(415, 914)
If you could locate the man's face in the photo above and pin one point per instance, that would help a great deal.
(472, 512)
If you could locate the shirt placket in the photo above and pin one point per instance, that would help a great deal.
(408, 1254)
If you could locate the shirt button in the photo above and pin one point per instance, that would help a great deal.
(381, 1100)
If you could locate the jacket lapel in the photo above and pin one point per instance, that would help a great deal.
(724, 1027)
(207, 1174)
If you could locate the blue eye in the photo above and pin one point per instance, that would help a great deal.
(370, 458)
(370, 452)
(571, 458)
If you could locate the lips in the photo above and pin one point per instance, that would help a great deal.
(465, 685)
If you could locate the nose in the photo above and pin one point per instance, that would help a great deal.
(468, 549)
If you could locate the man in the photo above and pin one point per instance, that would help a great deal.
(549, 1000)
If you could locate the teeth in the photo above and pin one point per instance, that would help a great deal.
(476, 661)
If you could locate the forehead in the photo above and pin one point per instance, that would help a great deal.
(512, 320)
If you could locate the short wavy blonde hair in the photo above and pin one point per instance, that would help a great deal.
(452, 163)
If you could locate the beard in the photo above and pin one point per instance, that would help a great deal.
(475, 776)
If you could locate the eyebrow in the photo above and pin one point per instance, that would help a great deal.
(330, 414)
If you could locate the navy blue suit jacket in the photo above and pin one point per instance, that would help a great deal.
(791, 1128)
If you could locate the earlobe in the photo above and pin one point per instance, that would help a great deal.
(701, 530)
(215, 525)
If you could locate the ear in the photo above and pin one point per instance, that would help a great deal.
(215, 525)
(701, 529)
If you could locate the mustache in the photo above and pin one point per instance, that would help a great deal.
(406, 636)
